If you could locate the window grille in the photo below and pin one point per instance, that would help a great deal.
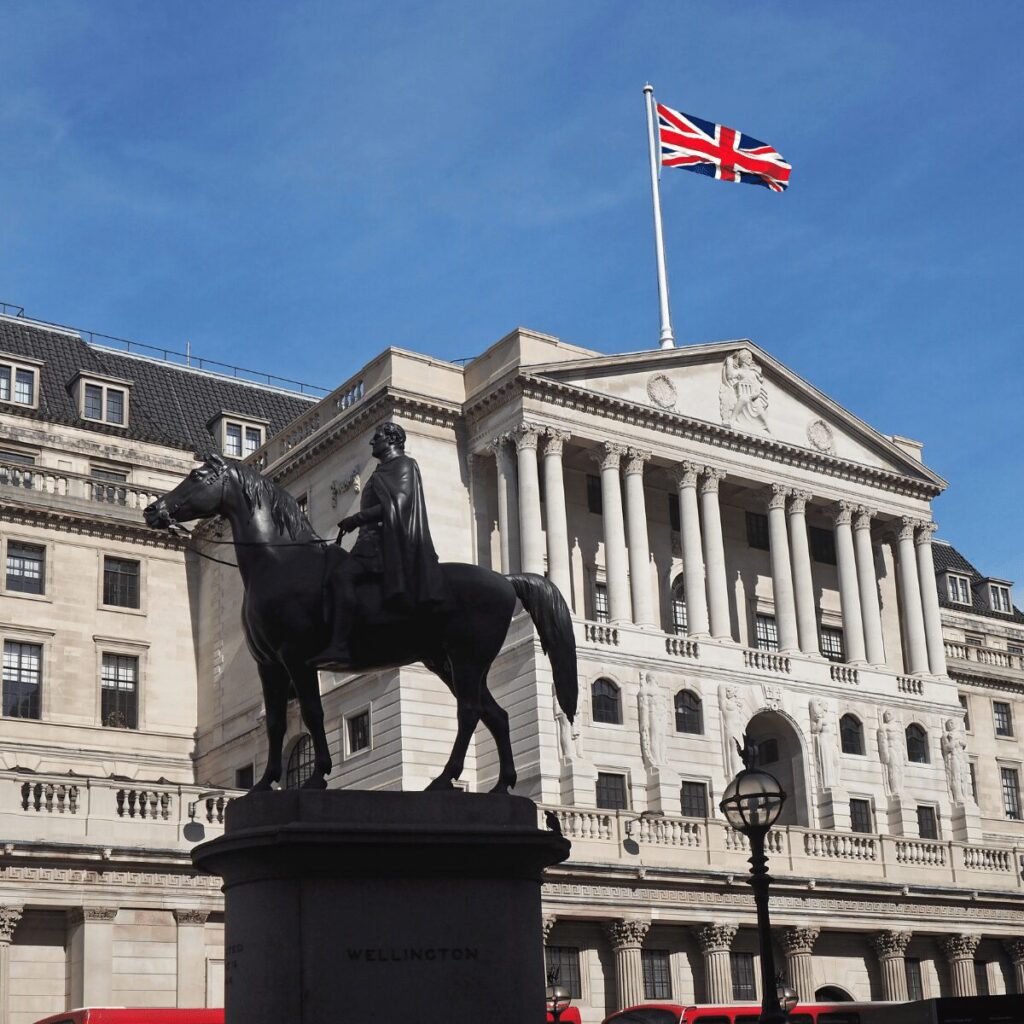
(601, 602)
(766, 634)
(757, 531)
(915, 983)
(694, 799)
(679, 606)
(657, 976)
(22, 679)
(927, 823)
(1010, 779)
(742, 969)
(860, 815)
(1003, 715)
(300, 763)
(611, 791)
(832, 643)
(26, 568)
(359, 732)
(563, 967)
(121, 582)
(119, 692)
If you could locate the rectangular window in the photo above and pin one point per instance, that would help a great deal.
(562, 965)
(595, 500)
(823, 545)
(694, 798)
(927, 824)
(860, 816)
(24, 381)
(959, 589)
(1010, 779)
(767, 635)
(358, 729)
(673, 512)
(600, 602)
(1014, 649)
(244, 777)
(1000, 598)
(115, 406)
(233, 440)
(974, 779)
(253, 439)
(981, 977)
(757, 531)
(915, 983)
(6, 455)
(742, 969)
(5, 383)
(657, 976)
(962, 697)
(121, 582)
(110, 487)
(973, 640)
(832, 643)
(611, 791)
(22, 679)
(92, 407)
(119, 707)
(26, 568)
(1003, 715)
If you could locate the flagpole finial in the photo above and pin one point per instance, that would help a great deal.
(648, 87)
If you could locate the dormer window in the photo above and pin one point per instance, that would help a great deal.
(999, 597)
(102, 399)
(19, 381)
(238, 437)
(958, 589)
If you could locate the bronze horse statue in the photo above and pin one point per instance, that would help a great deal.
(284, 567)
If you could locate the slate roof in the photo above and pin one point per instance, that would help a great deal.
(169, 404)
(948, 559)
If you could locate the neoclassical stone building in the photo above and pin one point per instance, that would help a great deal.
(740, 554)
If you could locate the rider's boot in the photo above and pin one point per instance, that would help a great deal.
(336, 655)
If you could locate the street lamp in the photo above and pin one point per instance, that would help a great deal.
(752, 803)
(558, 997)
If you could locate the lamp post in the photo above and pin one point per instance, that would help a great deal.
(558, 1000)
(751, 804)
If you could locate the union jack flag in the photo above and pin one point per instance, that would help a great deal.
(719, 152)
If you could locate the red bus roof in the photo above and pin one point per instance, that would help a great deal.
(123, 1015)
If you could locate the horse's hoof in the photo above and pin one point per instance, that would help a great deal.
(442, 783)
(263, 786)
(314, 782)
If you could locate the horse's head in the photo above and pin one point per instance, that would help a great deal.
(199, 496)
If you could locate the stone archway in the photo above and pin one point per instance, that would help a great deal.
(780, 750)
(832, 994)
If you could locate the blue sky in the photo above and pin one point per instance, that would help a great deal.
(294, 186)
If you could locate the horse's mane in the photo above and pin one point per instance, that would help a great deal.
(258, 492)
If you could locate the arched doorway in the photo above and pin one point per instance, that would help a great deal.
(780, 750)
(832, 994)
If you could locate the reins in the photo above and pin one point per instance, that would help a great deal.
(183, 531)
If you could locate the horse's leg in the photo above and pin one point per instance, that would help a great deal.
(274, 680)
(308, 689)
(465, 684)
(495, 717)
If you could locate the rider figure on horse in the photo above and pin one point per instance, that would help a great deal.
(393, 547)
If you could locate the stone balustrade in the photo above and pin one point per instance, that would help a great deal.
(910, 684)
(624, 838)
(74, 488)
(599, 633)
(843, 674)
(983, 655)
(682, 647)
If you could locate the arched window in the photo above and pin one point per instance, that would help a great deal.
(300, 763)
(605, 703)
(832, 994)
(689, 712)
(851, 734)
(917, 744)
(679, 606)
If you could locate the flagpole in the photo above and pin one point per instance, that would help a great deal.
(667, 340)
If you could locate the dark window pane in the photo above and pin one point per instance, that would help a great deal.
(673, 512)
(115, 405)
(823, 545)
(832, 643)
(24, 387)
(851, 735)
(679, 606)
(915, 984)
(233, 440)
(1003, 717)
(766, 751)
(860, 816)
(767, 635)
(917, 744)
(359, 732)
(244, 777)
(1010, 780)
(6, 455)
(605, 705)
(22, 679)
(26, 568)
(757, 530)
(562, 966)
(119, 692)
(121, 582)
(694, 799)
(657, 978)
(300, 763)
(595, 502)
(93, 402)
(927, 825)
(611, 791)
(600, 602)
(253, 439)
(689, 712)
(962, 697)
(5, 383)
(742, 965)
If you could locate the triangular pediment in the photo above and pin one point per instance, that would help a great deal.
(740, 387)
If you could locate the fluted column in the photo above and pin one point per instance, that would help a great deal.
(799, 944)
(803, 585)
(930, 600)
(554, 504)
(868, 585)
(849, 596)
(9, 918)
(714, 555)
(891, 948)
(627, 938)
(960, 950)
(614, 533)
(639, 545)
(191, 943)
(715, 942)
(508, 504)
(910, 599)
(531, 536)
(686, 474)
(782, 573)
(1015, 950)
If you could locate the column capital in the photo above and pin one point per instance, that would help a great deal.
(798, 939)
(547, 922)
(77, 915)
(626, 932)
(906, 529)
(798, 502)
(890, 943)
(496, 445)
(526, 435)
(862, 518)
(711, 479)
(191, 916)
(925, 531)
(609, 454)
(10, 915)
(554, 441)
(715, 938)
(635, 459)
(842, 513)
(685, 474)
(959, 946)
(1015, 950)
(776, 496)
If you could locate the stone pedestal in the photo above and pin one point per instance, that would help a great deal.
(834, 809)
(349, 905)
(663, 790)
(902, 816)
(966, 823)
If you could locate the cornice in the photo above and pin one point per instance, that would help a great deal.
(967, 675)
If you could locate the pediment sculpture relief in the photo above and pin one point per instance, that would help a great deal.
(742, 395)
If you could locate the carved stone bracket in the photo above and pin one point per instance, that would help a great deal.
(626, 932)
(798, 940)
(9, 918)
(890, 943)
(959, 946)
(715, 938)
(547, 922)
(339, 487)
(191, 916)
(78, 915)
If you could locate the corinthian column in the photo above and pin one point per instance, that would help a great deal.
(531, 536)
(891, 947)
(714, 555)
(639, 546)
(554, 495)
(627, 939)
(930, 600)
(806, 619)
(9, 918)
(782, 573)
(868, 584)
(910, 595)
(1015, 950)
(508, 504)
(693, 562)
(715, 942)
(799, 944)
(959, 950)
(849, 598)
(614, 533)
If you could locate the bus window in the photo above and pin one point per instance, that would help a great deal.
(716, 1019)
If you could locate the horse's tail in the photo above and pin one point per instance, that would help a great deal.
(550, 614)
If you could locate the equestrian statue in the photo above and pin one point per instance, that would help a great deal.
(388, 602)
